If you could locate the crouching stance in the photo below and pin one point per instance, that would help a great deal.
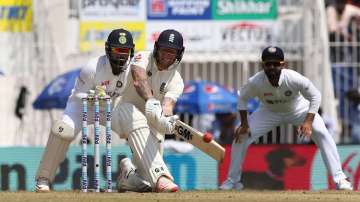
(286, 97)
(111, 71)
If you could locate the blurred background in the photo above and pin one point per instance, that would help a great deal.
(45, 42)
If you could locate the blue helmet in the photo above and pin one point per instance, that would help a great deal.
(170, 39)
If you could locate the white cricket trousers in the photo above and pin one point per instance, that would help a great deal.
(264, 120)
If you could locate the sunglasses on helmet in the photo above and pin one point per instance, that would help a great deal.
(120, 50)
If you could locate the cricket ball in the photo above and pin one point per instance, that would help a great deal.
(207, 137)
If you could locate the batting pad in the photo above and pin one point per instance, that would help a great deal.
(127, 118)
(54, 154)
(146, 155)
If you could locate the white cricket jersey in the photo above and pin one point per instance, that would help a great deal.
(167, 83)
(98, 72)
(292, 91)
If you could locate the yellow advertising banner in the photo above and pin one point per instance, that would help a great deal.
(16, 15)
(93, 34)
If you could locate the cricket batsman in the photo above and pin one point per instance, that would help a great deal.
(158, 85)
(110, 71)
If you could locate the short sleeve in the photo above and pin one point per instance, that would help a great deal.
(175, 87)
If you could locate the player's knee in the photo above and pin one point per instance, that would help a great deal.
(63, 130)
(130, 118)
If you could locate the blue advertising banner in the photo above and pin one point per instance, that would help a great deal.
(18, 166)
(178, 9)
(350, 163)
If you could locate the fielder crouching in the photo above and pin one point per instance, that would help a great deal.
(129, 120)
(286, 97)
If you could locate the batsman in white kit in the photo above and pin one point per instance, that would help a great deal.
(286, 97)
(112, 73)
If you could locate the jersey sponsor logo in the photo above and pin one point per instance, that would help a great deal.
(288, 93)
(268, 94)
(105, 83)
(276, 101)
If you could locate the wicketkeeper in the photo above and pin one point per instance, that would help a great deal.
(129, 121)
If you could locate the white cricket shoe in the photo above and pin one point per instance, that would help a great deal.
(166, 185)
(238, 186)
(42, 185)
(344, 184)
(129, 180)
(228, 184)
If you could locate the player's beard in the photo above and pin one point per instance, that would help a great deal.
(273, 75)
(164, 64)
(117, 66)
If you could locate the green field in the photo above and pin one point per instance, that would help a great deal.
(221, 196)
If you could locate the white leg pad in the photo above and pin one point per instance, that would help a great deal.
(54, 154)
(147, 156)
(130, 123)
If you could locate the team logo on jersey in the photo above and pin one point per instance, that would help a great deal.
(122, 38)
(162, 88)
(119, 84)
(288, 93)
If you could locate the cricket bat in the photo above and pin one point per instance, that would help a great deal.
(195, 138)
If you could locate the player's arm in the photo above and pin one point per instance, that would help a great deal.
(85, 80)
(174, 90)
(246, 92)
(313, 95)
(141, 84)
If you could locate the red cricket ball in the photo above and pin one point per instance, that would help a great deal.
(207, 137)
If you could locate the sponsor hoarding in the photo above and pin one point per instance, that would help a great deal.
(179, 9)
(93, 34)
(292, 167)
(241, 36)
(244, 9)
(18, 166)
(198, 35)
(112, 10)
(16, 16)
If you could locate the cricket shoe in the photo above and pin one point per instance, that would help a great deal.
(228, 184)
(166, 185)
(344, 184)
(42, 185)
(129, 180)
